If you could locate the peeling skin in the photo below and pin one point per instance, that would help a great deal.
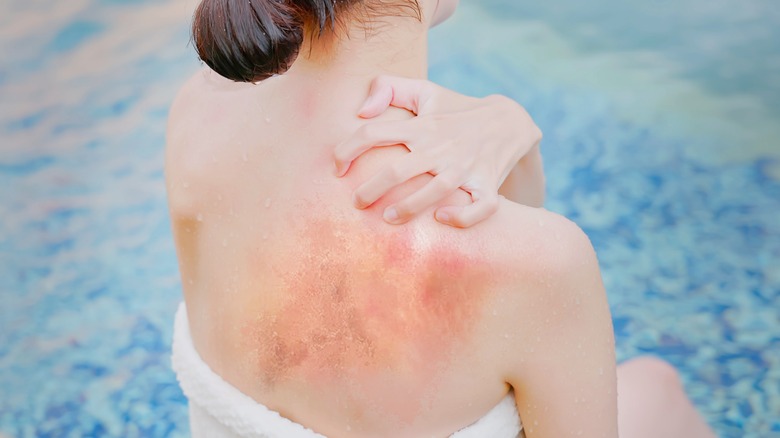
(361, 303)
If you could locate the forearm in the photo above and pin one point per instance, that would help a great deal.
(525, 183)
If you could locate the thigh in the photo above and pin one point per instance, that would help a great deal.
(653, 403)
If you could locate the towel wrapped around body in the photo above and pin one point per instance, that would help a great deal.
(219, 410)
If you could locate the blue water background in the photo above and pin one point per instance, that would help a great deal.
(662, 140)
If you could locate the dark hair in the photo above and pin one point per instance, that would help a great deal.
(251, 40)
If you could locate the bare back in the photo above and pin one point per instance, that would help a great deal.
(325, 313)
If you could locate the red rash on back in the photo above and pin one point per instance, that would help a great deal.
(356, 303)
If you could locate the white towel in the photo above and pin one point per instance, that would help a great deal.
(219, 410)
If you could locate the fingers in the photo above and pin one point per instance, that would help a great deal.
(484, 206)
(395, 91)
(380, 96)
(441, 186)
(403, 170)
(375, 134)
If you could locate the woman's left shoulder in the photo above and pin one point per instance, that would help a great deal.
(198, 129)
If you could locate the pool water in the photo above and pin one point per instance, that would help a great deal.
(662, 140)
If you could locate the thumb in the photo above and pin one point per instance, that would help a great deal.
(394, 91)
(379, 99)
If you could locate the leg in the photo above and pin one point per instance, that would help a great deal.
(652, 402)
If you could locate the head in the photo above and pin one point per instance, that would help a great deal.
(251, 40)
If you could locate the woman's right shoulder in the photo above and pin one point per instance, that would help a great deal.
(543, 260)
(557, 346)
(534, 240)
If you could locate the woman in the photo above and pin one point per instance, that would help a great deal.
(306, 315)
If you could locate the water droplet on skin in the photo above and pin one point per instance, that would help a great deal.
(506, 336)
(244, 157)
(495, 312)
(265, 236)
(267, 202)
(224, 242)
(186, 185)
(190, 281)
(541, 224)
(267, 120)
(200, 217)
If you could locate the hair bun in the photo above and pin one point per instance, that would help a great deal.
(247, 40)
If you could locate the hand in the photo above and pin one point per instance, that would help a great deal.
(464, 142)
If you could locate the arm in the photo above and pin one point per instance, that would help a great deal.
(525, 182)
(562, 362)
(465, 142)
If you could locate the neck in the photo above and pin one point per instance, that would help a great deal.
(397, 46)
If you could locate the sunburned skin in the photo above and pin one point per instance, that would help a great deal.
(358, 304)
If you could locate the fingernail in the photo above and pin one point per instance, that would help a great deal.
(442, 216)
(357, 203)
(365, 106)
(391, 215)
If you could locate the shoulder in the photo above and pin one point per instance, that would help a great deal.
(555, 336)
(183, 156)
(198, 126)
(548, 273)
(200, 103)
(185, 104)
(538, 242)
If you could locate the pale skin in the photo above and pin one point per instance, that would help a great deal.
(501, 158)
(273, 253)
